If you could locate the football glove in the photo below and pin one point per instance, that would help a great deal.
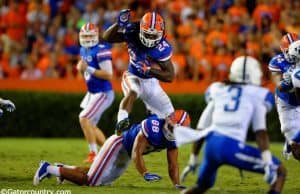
(7, 105)
(152, 177)
(142, 68)
(270, 173)
(123, 18)
(191, 167)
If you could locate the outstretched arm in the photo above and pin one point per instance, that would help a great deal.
(114, 34)
(173, 168)
(139, 147)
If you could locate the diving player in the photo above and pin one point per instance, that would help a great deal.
(146, 46)
(232, 107)
(96, 66)
(282, 66)
(152, 134)
(7, 105)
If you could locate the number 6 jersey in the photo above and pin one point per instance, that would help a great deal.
(234, 106)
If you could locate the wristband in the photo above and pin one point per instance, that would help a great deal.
(267, 157)
(91, 70)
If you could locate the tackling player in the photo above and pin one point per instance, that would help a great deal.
(282, 66)
(232, 107)
(152, 134)
(96, 66)
(146, 45)
(7, 105)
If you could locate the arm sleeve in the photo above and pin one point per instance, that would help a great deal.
(296, 78)
(106, 66)
(166, 51)
(259, 116)
(273, 65)
(206, 116)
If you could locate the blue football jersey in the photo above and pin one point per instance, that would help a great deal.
(93, 56)
(152, 128)
(279, 64)
(139, 54)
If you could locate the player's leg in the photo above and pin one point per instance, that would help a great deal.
(208, 168)
(246, 157)
(156, 99)
(104, 163)
(95, 117)
(131, 86)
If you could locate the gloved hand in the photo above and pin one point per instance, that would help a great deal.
(151, 177)
(286, 76)
(8, 105)
(123, 18)
(286, 151)
(180, 187)
(270, 173)
(142, 68)
(191, 167)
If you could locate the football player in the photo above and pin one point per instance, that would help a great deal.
(232, 107)
(146, 46)
(293, 142)
(96, 66)
(7, 105)
(282, 66)
(152, 134)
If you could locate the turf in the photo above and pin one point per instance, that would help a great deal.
(19, 159)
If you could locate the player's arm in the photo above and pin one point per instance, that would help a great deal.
(283, 84)
(105, 72)
(114, 34)
(138, 149)
(165, 73)
(173, 168)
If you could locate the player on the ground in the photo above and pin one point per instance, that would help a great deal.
(232, 107)
(282, 66)
(96, 66)
(7, 105)
(152, 134)
(146, 45)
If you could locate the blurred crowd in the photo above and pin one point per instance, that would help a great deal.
(39, 38)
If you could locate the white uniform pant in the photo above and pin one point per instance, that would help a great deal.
(150, 92)
(110, 163)
(95, 104)
(289, 117)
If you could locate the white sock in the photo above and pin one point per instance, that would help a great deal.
(53, 170)
(93, 148)
(69, 166)
(122, 114)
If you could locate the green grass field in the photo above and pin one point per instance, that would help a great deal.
(19, 158)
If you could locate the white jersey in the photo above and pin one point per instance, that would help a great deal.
(231, 108)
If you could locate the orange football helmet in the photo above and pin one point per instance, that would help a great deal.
(285, 42)
(179, 117)
(88, 35)
(151, 29)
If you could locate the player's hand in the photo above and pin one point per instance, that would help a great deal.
(270, 173)
(180, 187)
(151, 177)
(286, 151)
(142, 68)
(187, 170)
(81, 65)
(1, 112)
(286, 76)
(123, 18)
(8, 105)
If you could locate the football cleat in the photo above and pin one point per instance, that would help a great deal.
(59, 179)
(90, 157)
(286, 151)
(122, 126)
(41, 173)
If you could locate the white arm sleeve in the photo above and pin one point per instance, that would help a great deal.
(206, 116)
(296, 78)
(259, 117)
(106, 66)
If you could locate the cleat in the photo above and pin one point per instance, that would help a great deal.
(41, 173)
(59, 179)
(90, 157)
(122, 126)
